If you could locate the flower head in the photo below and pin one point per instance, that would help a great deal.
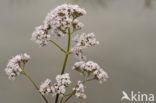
(58, 89)
(78, 53)
(40, 35)
(86, 66)
(45, 87)
(100, 75)
(85, 40)
(91, 68)
(77, 25)
(59, 21)
(13, 68)
(64, 17)
(78, 65)
(79, 90)
(62, 81)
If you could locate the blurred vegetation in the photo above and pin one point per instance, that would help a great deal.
(148, 3)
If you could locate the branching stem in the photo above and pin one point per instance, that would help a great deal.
(62, 99)
(65, 59)
(57, 46)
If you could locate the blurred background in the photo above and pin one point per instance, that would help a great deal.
(126, 30)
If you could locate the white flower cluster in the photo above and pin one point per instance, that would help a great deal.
(63, 81)
(101, 75)
(78, 53)
(79, 90)
(13, 67)
(40, 35)
(91, 67)
(45, 87)
(77, 25)
(59, 20)
(83, 41)
(64, 17)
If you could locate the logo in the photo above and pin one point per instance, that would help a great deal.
(138, 96)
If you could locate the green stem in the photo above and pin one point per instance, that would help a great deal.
(57, 46)
(61, 99)
(64, 65)
(34, 85)
(71, 94)
(90, 79)
(65, 59)
(68, 98)
(67, 53)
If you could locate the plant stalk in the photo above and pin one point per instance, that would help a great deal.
(68, 98)
(65, 60)
(34, 85)
(84, 81)
(57, 46)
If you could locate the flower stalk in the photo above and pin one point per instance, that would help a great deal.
(71, 94)
(34, 84)
(57, 46)
(65, 60)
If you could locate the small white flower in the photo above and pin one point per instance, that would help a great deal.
(78, 65)
(79, 90)
(40, 35)
(45, 87)
(77, 51)
(62, 81)
(77, 25)
(13, 68)
(101, 75)
(25, 57)
(86, 66)
(90, 66)
(93, 68)
(58, 89)
(85, 40)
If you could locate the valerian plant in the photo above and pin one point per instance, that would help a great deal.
(60, 22)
